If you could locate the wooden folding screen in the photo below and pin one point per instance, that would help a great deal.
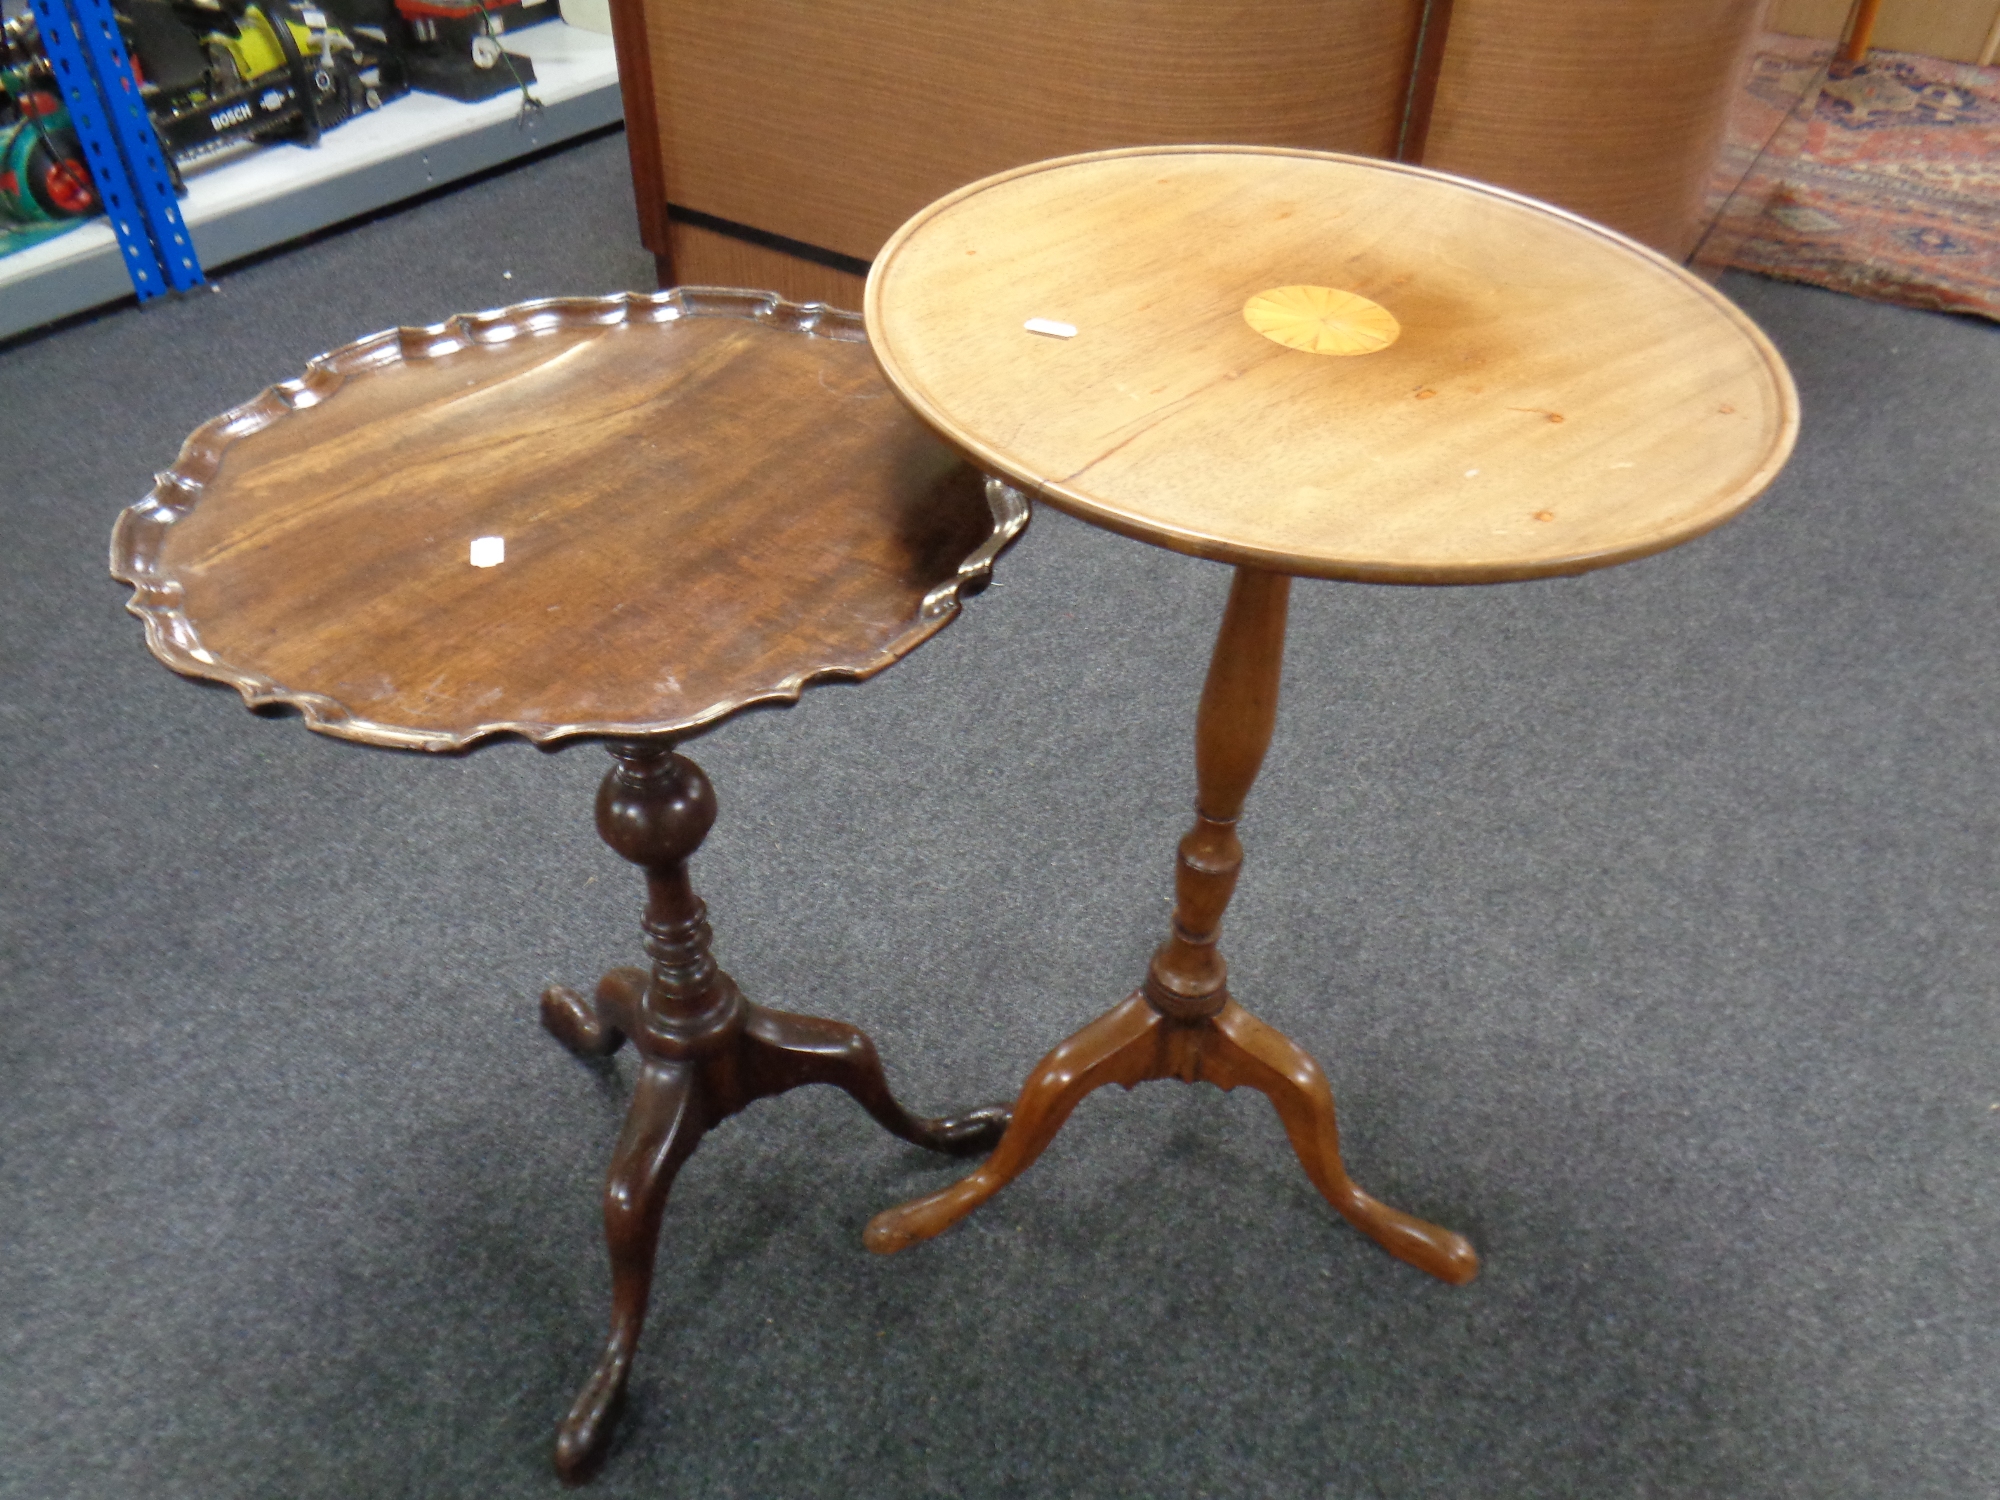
(777, 143)
(1613, 108)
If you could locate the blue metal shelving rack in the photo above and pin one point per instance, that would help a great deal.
(265, 199)
(126, 163)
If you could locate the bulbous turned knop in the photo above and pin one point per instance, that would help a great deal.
(655, 807)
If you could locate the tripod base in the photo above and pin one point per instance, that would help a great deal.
(1134, 1043)
(706, 1052)
(753, 1054)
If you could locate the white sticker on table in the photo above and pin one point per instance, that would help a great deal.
(1051, 327)
(489, 551)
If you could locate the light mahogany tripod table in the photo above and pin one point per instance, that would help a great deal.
(621, 519)
(1299, 363)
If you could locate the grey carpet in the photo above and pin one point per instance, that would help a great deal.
(1645, 923)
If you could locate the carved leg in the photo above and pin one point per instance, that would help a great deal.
(595, 1027)
(783, 1051)
(661, 1132)
(1121, 1046)
(1237, 1048)
(705, 1052)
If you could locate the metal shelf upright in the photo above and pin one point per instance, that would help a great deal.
(95, 74)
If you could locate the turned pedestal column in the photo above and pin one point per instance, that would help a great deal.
(705, 1052)
(1182, 1022)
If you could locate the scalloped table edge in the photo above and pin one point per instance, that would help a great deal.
(141, 528)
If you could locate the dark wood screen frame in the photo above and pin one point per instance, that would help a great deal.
(642, 131)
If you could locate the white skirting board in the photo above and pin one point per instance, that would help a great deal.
(280, 192)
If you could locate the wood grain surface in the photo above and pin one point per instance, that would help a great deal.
(1614, 109)
(1559, 397)
(832, 121)
(702, 257)
(706, 499)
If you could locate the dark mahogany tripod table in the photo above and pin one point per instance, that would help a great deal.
(1304, 364)
(621, 519)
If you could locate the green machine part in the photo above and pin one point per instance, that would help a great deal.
(43, 179)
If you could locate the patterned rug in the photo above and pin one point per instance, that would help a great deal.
(1882, 179)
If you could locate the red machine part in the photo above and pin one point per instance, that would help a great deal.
(444, 10)
(66, 184)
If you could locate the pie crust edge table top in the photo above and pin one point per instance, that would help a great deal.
(727, 492)
(1557, 397)
(652, 465)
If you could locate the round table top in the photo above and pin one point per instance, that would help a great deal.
(616, 517)
(1329, 366)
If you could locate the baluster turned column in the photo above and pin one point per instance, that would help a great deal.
(1188, 979)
